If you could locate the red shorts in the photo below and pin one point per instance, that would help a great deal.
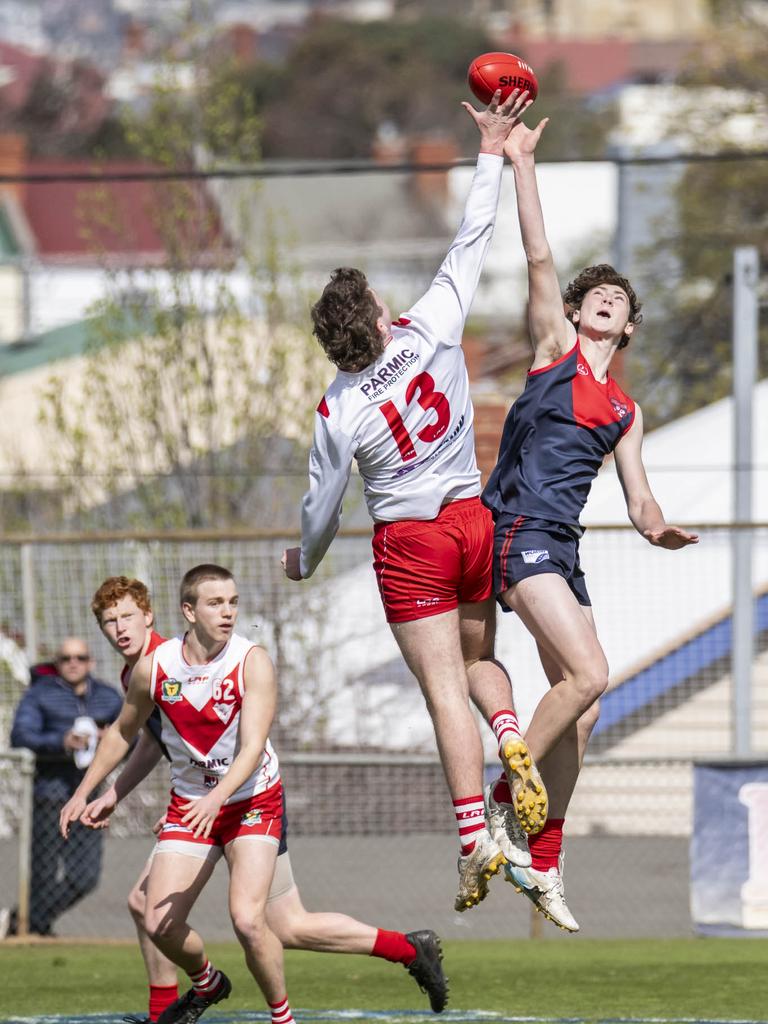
(259, 817)
(425, 567)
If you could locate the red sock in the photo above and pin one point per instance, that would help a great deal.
(546, 845)
(160, 997)
(501, 791)
(505, 727)
(393, 946)
(281, 1012)
(470, 817)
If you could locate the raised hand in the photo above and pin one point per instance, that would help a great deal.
(522, 141)
(498, 119)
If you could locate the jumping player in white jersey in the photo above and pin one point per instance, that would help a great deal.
(400, 406)
(216, 693)
(571, 414)
(123, 610)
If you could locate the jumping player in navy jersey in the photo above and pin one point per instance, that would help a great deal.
(571, 414)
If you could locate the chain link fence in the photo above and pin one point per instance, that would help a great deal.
(370, 819)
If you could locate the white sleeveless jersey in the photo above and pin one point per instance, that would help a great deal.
(407, 419)
(200, 711)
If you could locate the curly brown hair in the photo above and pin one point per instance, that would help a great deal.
(591, 277)
(344, 319)
(114, 589)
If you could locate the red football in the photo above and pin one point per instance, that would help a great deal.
(505, 71)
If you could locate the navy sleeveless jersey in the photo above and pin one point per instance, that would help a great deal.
(555, 438)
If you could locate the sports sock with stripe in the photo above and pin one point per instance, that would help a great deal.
(206, 981)
(505, 726)
(281, 1012)
(470, 818)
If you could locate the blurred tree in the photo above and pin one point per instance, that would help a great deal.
(196, 367)
(407, 74)
(191, 406)
(64, 109)
(684, 358)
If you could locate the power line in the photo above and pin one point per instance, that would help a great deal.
(351, 167)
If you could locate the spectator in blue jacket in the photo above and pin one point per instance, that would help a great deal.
(59, 718)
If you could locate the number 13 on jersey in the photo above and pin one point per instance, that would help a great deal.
(423, 388)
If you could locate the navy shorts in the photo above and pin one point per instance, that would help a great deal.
(524, 547)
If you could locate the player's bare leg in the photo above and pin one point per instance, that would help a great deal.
(298, 928)
(161, 972)
(174, 883)
(491, 692)
(432, 650)
(561, 766)
(553, 616)
(251, 866)
(542, 882)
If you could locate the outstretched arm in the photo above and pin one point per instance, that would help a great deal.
(643, 509)
(445, 305)
(330, 464)
(144, 757)
(551, 334)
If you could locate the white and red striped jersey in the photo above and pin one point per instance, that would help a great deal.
(200, 710)
(407, 419)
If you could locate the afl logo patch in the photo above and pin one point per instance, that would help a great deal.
(619, 408)
(251, 818)
(582, 369)
(171, 691)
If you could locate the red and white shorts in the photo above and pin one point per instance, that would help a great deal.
(258, 817)
(428, 566)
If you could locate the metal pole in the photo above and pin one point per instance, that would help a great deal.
(27, 772)
(745, 314)
(621, 249)
(26, 299)
(28, 602)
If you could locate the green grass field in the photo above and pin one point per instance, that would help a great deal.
(698, 979)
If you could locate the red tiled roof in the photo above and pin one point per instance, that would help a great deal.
(120, 221)
(23, 68)
(588, 65)
(593, 65)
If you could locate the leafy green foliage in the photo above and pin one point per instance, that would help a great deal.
(683, 356)
(196, 366)
(343, 82)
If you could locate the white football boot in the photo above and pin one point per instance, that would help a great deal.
(476, 870)
(545, 890)
(505, 828)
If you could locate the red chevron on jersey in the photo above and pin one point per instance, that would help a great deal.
(200, 723)
(323, 408)
(595, 404)
(200, 709)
